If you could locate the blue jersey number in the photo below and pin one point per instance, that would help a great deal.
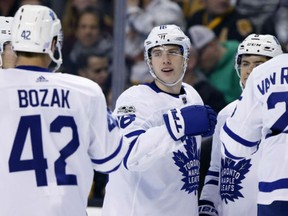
(38, 163)
(280, 125)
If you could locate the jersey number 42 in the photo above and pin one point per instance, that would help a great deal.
(38, 163)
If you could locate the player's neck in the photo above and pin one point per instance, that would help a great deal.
(39, 61)
(169, 89)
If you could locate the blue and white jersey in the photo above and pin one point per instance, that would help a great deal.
(230, 184)
(262, 114)
(158, 176)
(54, 130)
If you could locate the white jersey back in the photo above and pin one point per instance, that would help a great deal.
(163, 175)
(54, 130)
(231, 184)
(262, 113)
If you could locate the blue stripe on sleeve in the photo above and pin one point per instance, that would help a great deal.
(228, 154)
(271, 186)
(128, 153)
(238, 138)
(212, 182)
(213, 173)
(114, 169)
(134, 133)
(114, 154)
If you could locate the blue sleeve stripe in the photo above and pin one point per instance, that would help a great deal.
(116, 168)
(212, 182)
(128, 152)
(228, 154)
(238, 138)
(271, 186)
(213, 173)
(114, 154)
(134, 133)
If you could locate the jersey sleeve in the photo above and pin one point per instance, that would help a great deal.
(106, 144)
(144, 131)
(241, 134)
(210, 192)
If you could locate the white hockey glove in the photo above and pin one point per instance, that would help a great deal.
(190, 121)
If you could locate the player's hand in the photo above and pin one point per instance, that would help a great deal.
(206, 208)
(190, 121)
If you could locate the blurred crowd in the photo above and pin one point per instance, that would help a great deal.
(215, 27)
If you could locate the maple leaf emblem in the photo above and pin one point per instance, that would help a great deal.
(189, 165)
(232, 175)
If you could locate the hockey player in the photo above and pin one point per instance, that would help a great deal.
(54, 127)
(7, 56)
(260, 122)
(230, 185)
(163, 121)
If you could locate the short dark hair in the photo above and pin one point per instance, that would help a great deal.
(82, 62)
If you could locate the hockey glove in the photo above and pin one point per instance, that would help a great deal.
(190, 121)
(206, 208)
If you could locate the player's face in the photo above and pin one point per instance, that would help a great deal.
(8, 56)
(248, 63)
(167, 62)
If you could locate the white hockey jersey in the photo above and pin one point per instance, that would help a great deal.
(159, 176)
(262, 113)
(230, 184)
(54, 129)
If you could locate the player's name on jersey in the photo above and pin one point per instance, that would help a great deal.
(43, 97)
(273, 79)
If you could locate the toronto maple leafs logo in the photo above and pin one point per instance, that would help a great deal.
(232, 174)
(189, 165)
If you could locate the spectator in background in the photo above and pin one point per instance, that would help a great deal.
(95, 66)
(70, 20)
(90, 35)
(277, 24)
(257, 11)
(189, 7)
(209, 94)
(221, 17)
(142, 16)
(216, 61)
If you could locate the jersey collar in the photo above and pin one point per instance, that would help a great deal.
(153, 86)
(33, 68)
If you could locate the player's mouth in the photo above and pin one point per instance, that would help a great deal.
(167, 70)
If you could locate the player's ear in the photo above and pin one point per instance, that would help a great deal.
(53, 44)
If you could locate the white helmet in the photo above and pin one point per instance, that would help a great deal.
(164, 35)
(5, 33)
(255, 44)
(33, 30)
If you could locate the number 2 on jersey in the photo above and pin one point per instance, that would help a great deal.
(280, 125)
(38, 163)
